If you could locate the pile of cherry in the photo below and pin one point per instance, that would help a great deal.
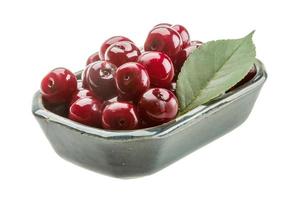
(123, 87)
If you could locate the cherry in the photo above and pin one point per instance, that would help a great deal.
(158, 105)
(100, 79)
(181, 57)
(116, 99)
(93, 58)
(132, 80)
(81, 93)
(183, 33)
(163, 24)
(147, 124)
(58, 109)
(109, 101)
(159, 67)
(58, 86)
(109, 42)
(122, 52)
(87, 111)
(84, 76)
(252, 72)
(120, 116)
(164, 39)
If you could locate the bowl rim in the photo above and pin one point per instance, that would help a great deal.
(162, 130)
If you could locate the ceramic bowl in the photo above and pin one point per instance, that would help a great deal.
(145, 151)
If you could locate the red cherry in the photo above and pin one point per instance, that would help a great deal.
(164, 39)
(252, 72)
(93, 58)
(132, 80)
(181, 57)
(183, 33)
(59, 109)
(81, 93)
(147, 124)
(116, 99)
(120, 116)
(100, 79)
(122, 52)
(87, 111)
(84, 76)
(109, 42)
(158, 105)
(58, 86)
(109, 101)
(159, 67)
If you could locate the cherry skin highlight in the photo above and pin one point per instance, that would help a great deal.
(183, 33)
(87, 111)
(132, 80)
(100, 79)
(120, 116)
(164, 39)
(159, 67)
(158, 105)
(58, 86)
(93, 58)
(81, 93)
(122, 52)
(109, 42)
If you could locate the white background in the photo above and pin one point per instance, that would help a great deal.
(252, 162)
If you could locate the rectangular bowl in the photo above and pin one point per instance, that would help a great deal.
(145, 151)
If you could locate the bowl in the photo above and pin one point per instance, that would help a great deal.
(142, 152)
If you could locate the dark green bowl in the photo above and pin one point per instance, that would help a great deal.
(145, 151)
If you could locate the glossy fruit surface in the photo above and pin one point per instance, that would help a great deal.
(164, 39)
(183, 55)
(158, 105)
(122, 52)
(81, 93)
(183, 33)
(58, 86)
(100, 79)
(132, 80)
(93, 58)
(86, 111)
(84, 76)
(109, 42)
(120, 116)
(181, 58)
(159, 67)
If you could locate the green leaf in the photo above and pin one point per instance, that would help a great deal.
(213, 69)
